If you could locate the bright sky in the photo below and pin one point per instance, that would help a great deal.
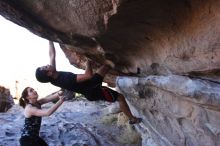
(21, 52)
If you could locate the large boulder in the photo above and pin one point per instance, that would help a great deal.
(139, 36)
(176, 110)
(6, 99)
(171, 48)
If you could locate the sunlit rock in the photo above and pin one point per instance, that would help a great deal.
(176, 110)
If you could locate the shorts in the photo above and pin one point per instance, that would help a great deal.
(99, 92)
(96, 80)
(109, 94)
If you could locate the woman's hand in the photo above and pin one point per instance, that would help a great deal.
(60, 94)
(66, 94)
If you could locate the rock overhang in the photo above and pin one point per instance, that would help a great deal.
(141, 37)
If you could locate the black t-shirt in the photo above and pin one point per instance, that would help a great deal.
(90, 88)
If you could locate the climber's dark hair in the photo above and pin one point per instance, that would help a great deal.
(23, 101)
(41, 75)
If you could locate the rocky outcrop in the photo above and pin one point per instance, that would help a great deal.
(6, 99)
(176, 109)
(171, 48)
(79, 123)
(151, 37)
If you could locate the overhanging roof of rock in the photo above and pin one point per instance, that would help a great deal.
(139, 36)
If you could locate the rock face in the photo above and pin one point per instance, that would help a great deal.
(155, 37)
(177, 110)
(171, 48)
(6, 99)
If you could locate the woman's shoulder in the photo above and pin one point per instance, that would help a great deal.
(28, 107)
(29, 110)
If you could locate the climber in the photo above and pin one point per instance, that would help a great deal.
(88, 84)
(33, 115)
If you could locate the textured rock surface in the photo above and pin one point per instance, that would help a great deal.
(79, 123)
(153, 37)
(176, 109)
(177, 41)
(6, 99)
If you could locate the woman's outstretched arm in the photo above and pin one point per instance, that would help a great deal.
(51, 97)
(33, 111)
